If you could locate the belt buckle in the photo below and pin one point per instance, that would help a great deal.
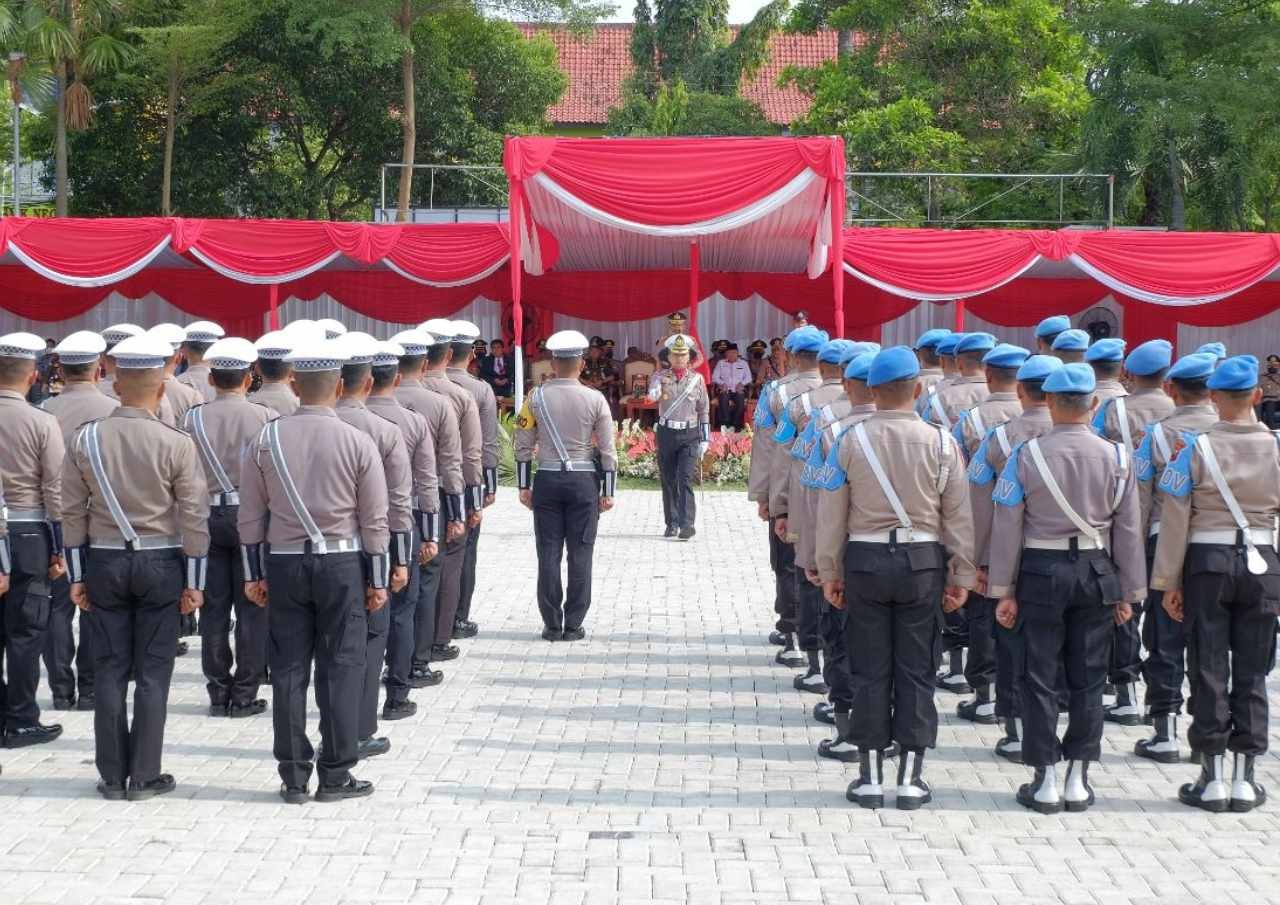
(901, 535)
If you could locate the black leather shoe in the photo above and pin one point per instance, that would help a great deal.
(87, 702)
(686, 533)
(824, 712)
(778, 638)
(161, 785)
(352, 788)
(372, 747)
(64, 703)
(573, 634)
(465, 628)
(399, 710)
(552, 634)
(671, 531)
(31, 735)
(182, 649)
(294, 794)
(253, 708)
(442, 652)
(111, 791)
(218, 708)
(424, 677)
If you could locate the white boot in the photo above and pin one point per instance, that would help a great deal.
(1041, 794)
(1163, 746)
(1126, 710)
(1078, 794)
(1010, 747)
(1209, 792)
(1245, 793)
(913, 791)
(868, 789)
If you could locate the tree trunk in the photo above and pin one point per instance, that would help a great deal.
(1177, 203)
(170, 129)
(844, 43)
(60, 142)
(409, 115)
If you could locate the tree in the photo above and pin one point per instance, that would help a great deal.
(678, 111)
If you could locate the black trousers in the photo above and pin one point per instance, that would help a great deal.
(424, 619)
(809, 612)
(316, 613)
(731, 409)
(1166, 664)
(61, 649)
(1126, 644)
(25, 609)
(566, 513)
(402, 610)
(1064, 616)
(955, 631)
(1230, 620)
(376, 633)
(468, 585)
(452, 557)
(677, 465)
(893, 597)
(980, 618)
(224, 594)
(1010, 657)
(835, 658)
(782, 559)
(134, 600)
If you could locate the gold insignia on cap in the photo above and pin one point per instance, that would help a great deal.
(679, 346)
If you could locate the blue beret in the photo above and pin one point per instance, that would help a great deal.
(1038, 367)
(807, 339)
(863, 346)
(1196, 366)
(947, 345)
(976, 342)
(1006, 355)
(1106, 350)
(1071, 378)
(929, 339)
(1239, 372)
(838, 352)
(860, 367)
(1218, 350)
(1149, 358)
(1051, 326)
(895, 363)
(1072, 341)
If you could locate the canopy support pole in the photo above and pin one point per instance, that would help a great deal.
(517, 310)
(695, 295)
(959, 315)
(837, 255)
(273, 306)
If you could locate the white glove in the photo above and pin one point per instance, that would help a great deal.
(702, 450)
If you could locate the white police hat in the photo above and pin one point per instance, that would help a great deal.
(332, 328)
(274, 345)
(231, 354)
(21, 345)
(143, 352)
(80, 348)
(318, 355)
(567, 344)
(120, 332)
(304, 331)
(465, 331)
(204, 332)
(360, 347)
(170, 333)
(440, 329)
(389, 353)
(415, 342)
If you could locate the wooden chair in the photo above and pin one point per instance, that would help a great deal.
(633, 369)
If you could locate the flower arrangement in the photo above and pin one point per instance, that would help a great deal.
(728, 458)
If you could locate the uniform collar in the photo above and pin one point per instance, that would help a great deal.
(227, 396)
(382, 401)
(199, 365)
(322, 410)
(832, 381)
(894, 415)
(930, 372)
(813, 373)
(864, 407)
(972, 378)
(1194, 407)
(1147, 391)
(453, 370)
(1110, 383)
(80, 386)
(1039, 412)
(12, 394)
(129, 411)
(1003, 396)
(347, 402)
(563, 381)
(1071, 429)
(1227, 427)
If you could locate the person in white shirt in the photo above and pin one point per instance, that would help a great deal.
(731, 378)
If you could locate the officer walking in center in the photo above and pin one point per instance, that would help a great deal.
(566, 425)
(683, 432)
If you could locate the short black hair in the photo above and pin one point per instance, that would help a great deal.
(1034, 389)
(1192, 387)
(436, 354)
(354, 374)
(897, 391)
(463, 348)
(1106, 368)
(13, 370)
(410, 363)
(1003, 374)
(805, 357)
(929, 355)
(384, 376)
(973, 357)
(1237, 394)
(228, 378)
(273, 368)
(200, 347)
(79, 372)
(1075, 402)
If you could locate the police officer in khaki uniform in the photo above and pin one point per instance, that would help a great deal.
(223, 429)
(984, 468)
(1070, 346)
(199, 337)
(929, 404)
(1106, 358)
(80, 401)
(1164, 638)
(274, 391)
(1063, 501)
(137, 535)
(464, 349)
(1047, 331)
(313, 524)
(927, 353)
(357, 382)
(1217, 566)
(180, 396)
(683, 432)
(895, 542)
(567, 429)
(30, 473)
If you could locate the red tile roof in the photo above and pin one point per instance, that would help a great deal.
(599, 61)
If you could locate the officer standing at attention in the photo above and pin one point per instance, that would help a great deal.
(1106, 358)
(112, 336)
(274, 391)
(199, 337)
(1047, 331)
(972, 427)
(180, 396)
(1216, 563)
(313, 525)
(683, 432)
(927, 354)
(806, 342)
(1124, 419)
(1070, 346)
(985, 465)
(223, 429)
(565, 424)
(30, 475)
(357, 382)
(884, 535)
(1163, 637)
(464, 350)
(1063, 501)
(419, 443)
(442, 422)
(80, 401)
(929, 404)
(137, 540)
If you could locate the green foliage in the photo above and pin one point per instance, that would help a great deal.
(678, 111)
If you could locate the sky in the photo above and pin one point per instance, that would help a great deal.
(740, 11)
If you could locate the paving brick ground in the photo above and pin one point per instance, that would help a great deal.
(664, 760)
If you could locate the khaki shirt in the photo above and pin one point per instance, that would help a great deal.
(1150, 460)
(802, 520)
(784, 482)
(763, 441)
(487, 411)
(1250, 462)
(442, 431)
(338, 474)
(152, 468)
(998, 408)
(582, 420)
(1088, 470)
(964, 393)
(231, 425)
(464, 405)
(181, 397)
(1141, 407)
(78, 403)
(685, 399)
(31, 455)
(916, 458)
(928, 378)
(276, 395)
(986, 465)
(422, 454)
(395, 460)
(1109, 388)
(196, 378)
